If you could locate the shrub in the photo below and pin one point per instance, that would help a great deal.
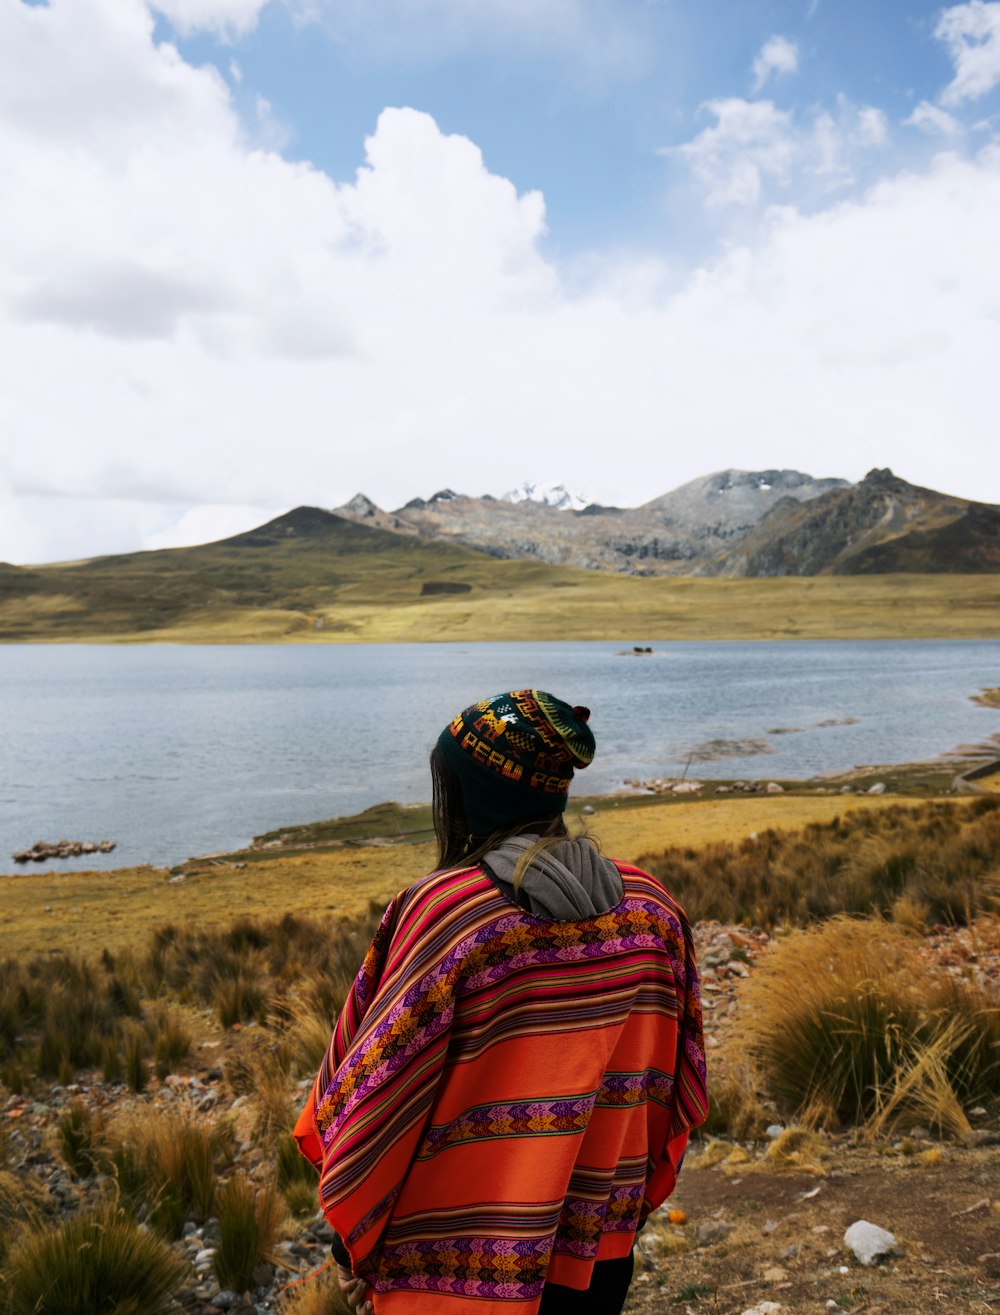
(249, 1221)
(845, 1023)
(99, 1260)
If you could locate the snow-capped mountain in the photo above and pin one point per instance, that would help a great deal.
(550, 494)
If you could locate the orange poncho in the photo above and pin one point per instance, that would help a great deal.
(505, 1097)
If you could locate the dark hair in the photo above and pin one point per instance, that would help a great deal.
(456, 846)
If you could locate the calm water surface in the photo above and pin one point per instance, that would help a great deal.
(173, 750)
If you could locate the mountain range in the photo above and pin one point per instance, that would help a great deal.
(467, 569)
(732, 523)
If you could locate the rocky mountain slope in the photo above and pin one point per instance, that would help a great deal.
(881, 525)
(678, 533)
(732, 523)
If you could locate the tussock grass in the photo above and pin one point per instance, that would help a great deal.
(936, 864)
(79, 1137)
(800, 1150)
(273, 1107)
(249, 1221)
(100, 1260)
(846, 1024)
(60, 1013)
(316, 1296)
(171, 1040)
(280, 970)
(166, 1166)
(135, 1047)
(293, 1169)
(22, 1201)
(734, 1104)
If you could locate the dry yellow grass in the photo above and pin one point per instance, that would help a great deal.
(589, 605)
(91, 910)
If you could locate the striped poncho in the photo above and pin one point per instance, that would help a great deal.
(505, 1097)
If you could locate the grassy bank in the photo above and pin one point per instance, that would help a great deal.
(328, 869)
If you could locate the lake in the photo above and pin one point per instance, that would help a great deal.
(174, 750)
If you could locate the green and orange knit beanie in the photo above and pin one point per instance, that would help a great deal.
(514, 755)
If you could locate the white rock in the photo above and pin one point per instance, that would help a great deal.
(869, 1242)
(764, 1308)
(877, 788)
(205, 1257)
(773, 1131)
(774, 788)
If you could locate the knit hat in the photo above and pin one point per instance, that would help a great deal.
(514, 754)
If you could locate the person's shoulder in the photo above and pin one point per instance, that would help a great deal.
(444, 885)
(640, 884)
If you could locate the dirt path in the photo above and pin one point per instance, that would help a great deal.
(786, 1239)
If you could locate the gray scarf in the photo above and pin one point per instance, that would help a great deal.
(565, 883)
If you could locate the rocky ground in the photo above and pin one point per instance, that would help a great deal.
(760, 1234)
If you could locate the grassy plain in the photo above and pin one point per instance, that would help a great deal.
(312, 577)
(82, 912)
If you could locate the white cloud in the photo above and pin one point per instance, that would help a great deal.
(209, 523)
(224, 16)
(602, 39)
(778, 55)
(972, 34)
(754, 147)
(932, 119)
(196, 331)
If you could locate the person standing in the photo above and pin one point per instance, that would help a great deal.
(510, 1085)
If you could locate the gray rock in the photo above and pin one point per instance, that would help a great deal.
(712, 1231)
(225, 1299)
(774, 1131)
(320, 1229)
(869, 1242)
(981, 1137)
(205, 1257)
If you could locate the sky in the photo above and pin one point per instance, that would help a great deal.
(261, 253)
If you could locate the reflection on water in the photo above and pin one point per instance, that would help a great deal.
(173, 750)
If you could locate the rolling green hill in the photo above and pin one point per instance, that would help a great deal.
(311, 576)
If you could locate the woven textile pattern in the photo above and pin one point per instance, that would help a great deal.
(505, 1097)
